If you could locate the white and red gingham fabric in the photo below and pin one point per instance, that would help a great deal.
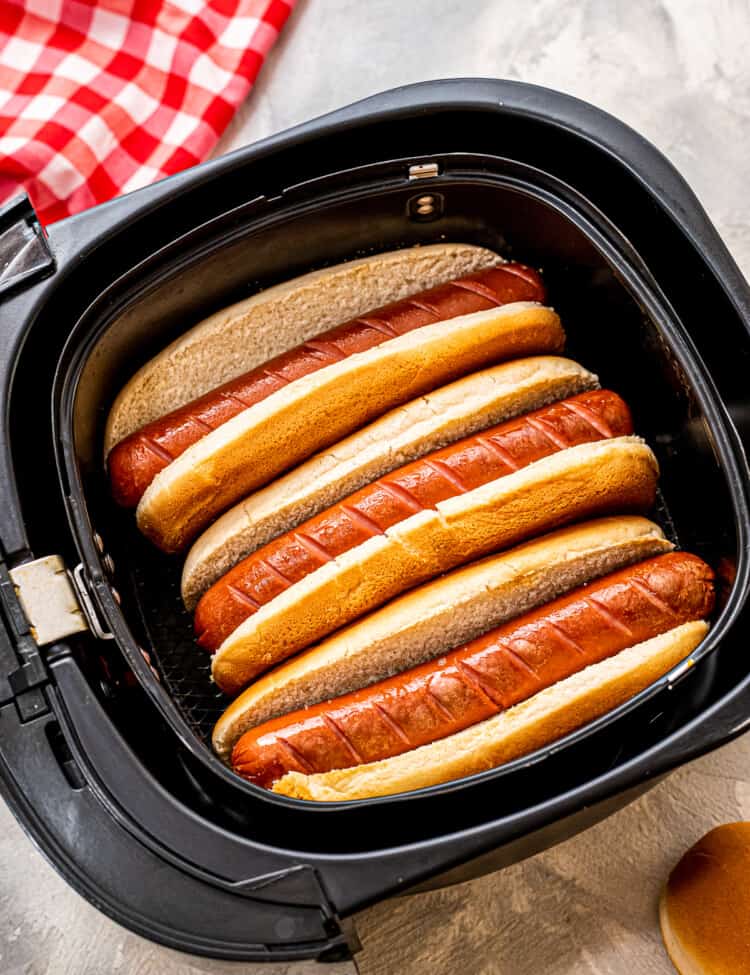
(98, 97)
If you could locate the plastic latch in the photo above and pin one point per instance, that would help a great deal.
(31, 674)
(25, 683)
(25, 256)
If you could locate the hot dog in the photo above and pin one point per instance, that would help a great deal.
(317, 410)
(432, 421)
(252, 331)
(587, 480)
(452, 471)
(135, 461)
(448, 611)
(478, 680)
(546, 717)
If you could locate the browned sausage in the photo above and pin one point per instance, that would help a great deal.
(135, 461)
(461, 467)
(483, 677)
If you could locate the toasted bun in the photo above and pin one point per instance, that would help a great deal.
(441, 615)
(547, 716)
(320, 409)
(252, 331)
(705, 908)
(580, 482)
(403, 435)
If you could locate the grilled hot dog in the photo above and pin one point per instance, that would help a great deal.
(462, 467)
(483, 677)
(404, 434)
(135, 461)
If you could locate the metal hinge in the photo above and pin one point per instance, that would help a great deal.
(25, 256)
(56, 602)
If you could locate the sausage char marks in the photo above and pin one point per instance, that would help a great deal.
(481, 678)
(135, 461)
(461, 467)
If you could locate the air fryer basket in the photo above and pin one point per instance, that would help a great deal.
(617, 322)
(116, 757)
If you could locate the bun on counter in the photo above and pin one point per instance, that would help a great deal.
(705, 907)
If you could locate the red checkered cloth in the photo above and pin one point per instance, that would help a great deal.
(98, 97)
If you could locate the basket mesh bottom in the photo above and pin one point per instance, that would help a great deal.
(184, 667)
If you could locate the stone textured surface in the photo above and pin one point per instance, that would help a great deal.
(678, 71)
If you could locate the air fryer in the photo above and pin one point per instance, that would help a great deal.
(106, 713)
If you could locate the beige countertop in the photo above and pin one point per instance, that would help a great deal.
(585, 907)
(678, 71)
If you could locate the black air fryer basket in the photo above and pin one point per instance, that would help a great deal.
(104, 753)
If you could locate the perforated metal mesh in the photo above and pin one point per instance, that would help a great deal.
(184, 668)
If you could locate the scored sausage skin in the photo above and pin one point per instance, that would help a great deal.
(445, 473)
(135, 461)
(481, 678)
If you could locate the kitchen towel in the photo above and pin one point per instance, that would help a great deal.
(98, 97)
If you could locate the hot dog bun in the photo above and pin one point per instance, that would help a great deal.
(489, 674)
(135, 461)
(439, 615)
(580, 482)
(290, 425)
(253, 330)
(406, 433)
(705, 908)
(460, 467)
(547, 716)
